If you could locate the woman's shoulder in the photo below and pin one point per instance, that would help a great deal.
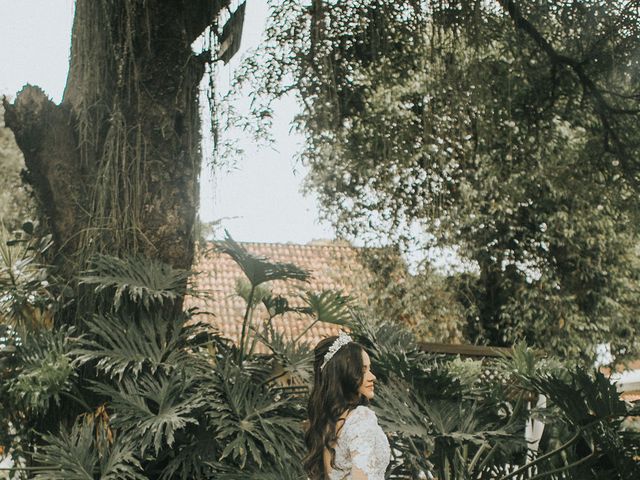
(361, 425)
(361, 415)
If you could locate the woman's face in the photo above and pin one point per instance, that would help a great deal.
(368, 379)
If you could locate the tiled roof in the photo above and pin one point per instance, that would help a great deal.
(333, 266)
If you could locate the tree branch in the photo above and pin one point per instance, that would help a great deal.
(604, 110)
(45, 134)
(578, 67)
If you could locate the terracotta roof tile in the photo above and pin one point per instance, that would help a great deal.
(630, 396)
(332, 266)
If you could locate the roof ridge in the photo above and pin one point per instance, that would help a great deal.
(291, 244)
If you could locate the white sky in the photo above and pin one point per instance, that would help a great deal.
(260, 200)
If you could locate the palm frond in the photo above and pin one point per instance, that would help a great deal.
(383, 337)
(462, 423)
(399, 412)
(77, 455)
(437, 430)
(584, 421)
(591, 405)
(524, 364)
(258, 269)
(583, 397)
(329, 306)
(142, 280)
(396, 354)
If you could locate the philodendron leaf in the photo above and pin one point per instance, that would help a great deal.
(259, 269)
(142, 280)
(329, 306)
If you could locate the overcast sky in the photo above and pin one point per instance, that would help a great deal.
(260, 199)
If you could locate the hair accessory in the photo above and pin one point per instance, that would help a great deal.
(337, 344)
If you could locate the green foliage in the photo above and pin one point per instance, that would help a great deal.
(252, 420)
(143, 281)
(252, 295)
(289, 472)
(151, 409)
(27, 300)
(292, 361)
(466, 371)
(122, 345)
(395, 352)
(173, 390)
(447, 417)
(506, 132)
(329, 306)
(425, 301)
(84, 454)
(590, 404)
(43, 371)
(258, 271)
(192, 456)
(150, 395)
(441, 420)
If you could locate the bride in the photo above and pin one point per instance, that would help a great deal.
(343, 438)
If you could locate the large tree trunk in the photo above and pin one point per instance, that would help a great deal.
(115, 166)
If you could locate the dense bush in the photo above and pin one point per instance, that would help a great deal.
(141, 390)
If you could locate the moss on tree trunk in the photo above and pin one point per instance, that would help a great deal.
(116, 164)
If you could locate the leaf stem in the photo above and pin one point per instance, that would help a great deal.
(562, 447)
(566, 467)
(245, 321)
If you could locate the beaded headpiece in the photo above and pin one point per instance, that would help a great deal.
(337, 344)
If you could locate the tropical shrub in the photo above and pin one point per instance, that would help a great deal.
(458, 419)
(27, 297)
(139, 389)
(164, 395)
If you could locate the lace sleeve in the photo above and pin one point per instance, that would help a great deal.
(363, 433)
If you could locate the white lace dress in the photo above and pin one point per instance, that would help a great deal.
(362, 448)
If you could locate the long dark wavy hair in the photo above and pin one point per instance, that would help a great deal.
(334, 391)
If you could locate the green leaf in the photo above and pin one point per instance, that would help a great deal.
(152, 409)
(122, 344)
(258, 269)
(44, 369)
(141, 280)
(257, 424)
(77, 455)
(28, 227)
(329, 306)
(292, 360)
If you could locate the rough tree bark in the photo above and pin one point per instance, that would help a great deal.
(115, 166)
